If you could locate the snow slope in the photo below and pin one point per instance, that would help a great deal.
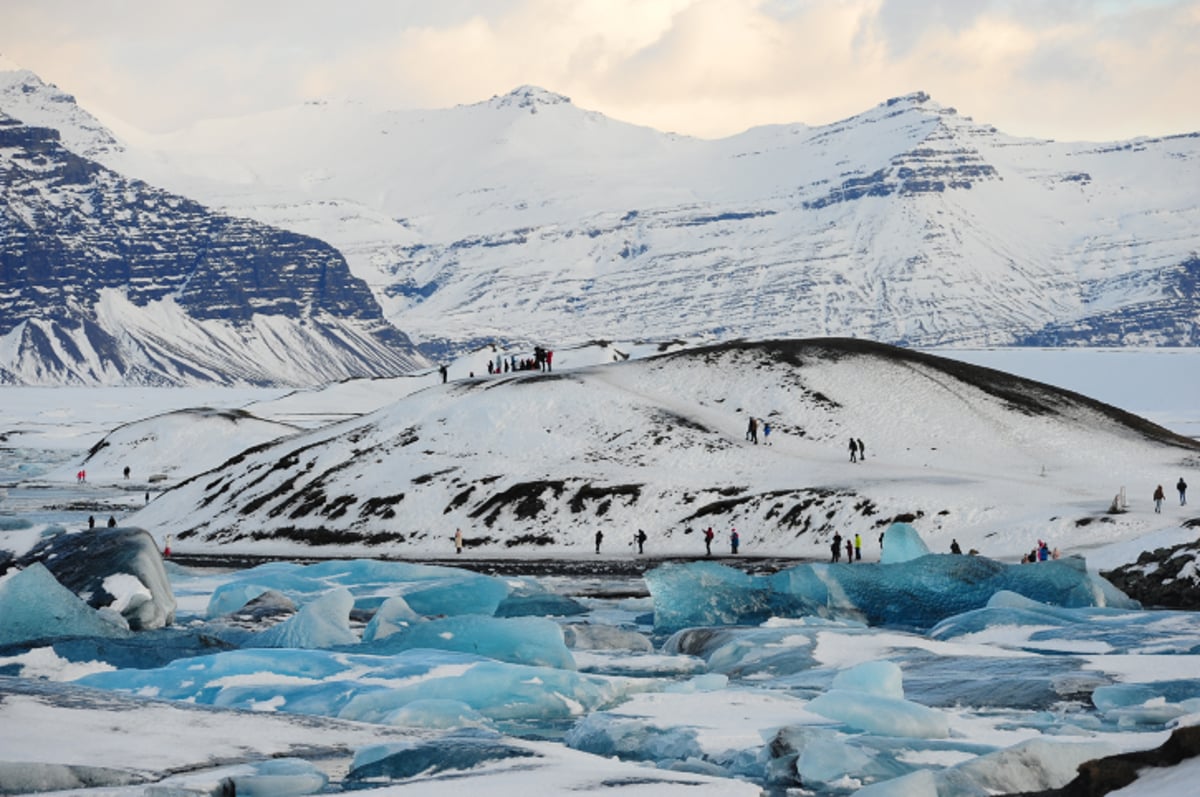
(537, 462)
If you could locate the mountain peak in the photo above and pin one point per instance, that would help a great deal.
(9, 65)
(528, 97)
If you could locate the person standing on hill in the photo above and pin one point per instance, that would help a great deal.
(836, 546)
(640, 539)
(599, 539)
(862, 449)
(458, 541)
(1181, 486)
(752, 431)
(734, 540)
(1159, 495)
(849, 551)
(766, 433)
(858, 547)
(444, 373)
(954, 547)
(853, 450)
(708, 538)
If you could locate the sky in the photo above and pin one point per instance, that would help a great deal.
(1068, 69)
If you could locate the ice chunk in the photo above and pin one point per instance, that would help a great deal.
(393, 616)
(369, 688)
(437, 714)
(459, 751)
(324, 623)
(915, 594)
(633, 738)
(428, 590)
(921, 783)
(36, 607)
(32, 777)
(520, 640)
(706, 593)
(886, 716)
(118, 568)
(529, 598)
(1035, 765)
(279, 777)
(1108, 698)
(902, 543)
(588, 636)
(497, 690)
(880, 678)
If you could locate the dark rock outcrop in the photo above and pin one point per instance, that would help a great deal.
(1165, 578)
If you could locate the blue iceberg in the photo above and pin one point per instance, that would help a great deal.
(902, 543)
(323, 623)
(369, 688)
(428, 590)
(36, 607)
(392, 617)
(915, 594)
(520, 640)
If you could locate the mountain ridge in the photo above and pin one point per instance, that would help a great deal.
(525, 219)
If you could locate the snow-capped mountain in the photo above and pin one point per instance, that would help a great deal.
(525, 217)
(108, 280)
(537, 461)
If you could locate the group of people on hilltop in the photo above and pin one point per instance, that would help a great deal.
(542, 360)
(858, 450)
(1160, 496)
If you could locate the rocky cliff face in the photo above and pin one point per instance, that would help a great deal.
(107, 280)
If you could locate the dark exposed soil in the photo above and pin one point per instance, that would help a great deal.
(601, 566)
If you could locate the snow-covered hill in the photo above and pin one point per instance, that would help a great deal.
(527, 218)
(537, 462)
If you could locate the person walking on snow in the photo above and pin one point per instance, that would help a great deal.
(766, 433)
(599, 539)
(640, 539)
(734, 540)
(862, 449)
(752, 431)
(853, 450)
(1181, 486)
(1158, 498)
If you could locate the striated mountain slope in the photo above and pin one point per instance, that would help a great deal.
(541, 461)
(526, 217)
(107, 280)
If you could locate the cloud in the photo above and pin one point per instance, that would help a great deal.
(1069, 69)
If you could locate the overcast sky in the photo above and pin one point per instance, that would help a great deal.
(1064, 69)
